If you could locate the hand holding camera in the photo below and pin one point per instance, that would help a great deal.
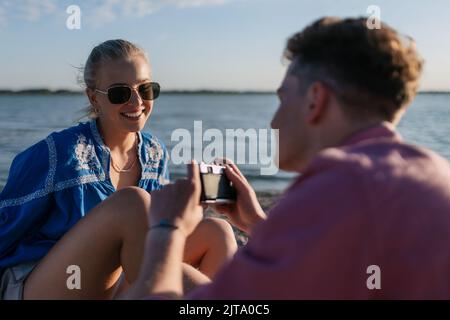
(246, 211)
(222, 186)
(178, 203)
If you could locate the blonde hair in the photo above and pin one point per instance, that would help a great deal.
(106, 51)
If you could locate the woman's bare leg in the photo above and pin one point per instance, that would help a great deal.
(109, 238)
(210, 246)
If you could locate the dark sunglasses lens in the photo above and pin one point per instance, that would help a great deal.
(149, 91)
(118, 95)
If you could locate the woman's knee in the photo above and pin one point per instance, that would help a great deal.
(128, 206)
(219, 231)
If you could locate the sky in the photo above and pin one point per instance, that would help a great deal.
(197, 44)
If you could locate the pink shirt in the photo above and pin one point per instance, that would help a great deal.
(375, 200)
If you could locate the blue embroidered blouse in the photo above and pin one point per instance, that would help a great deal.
(55, 182)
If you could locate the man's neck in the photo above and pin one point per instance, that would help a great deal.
(359, 127)
(338, 135)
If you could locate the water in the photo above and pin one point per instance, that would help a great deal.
(25, 120)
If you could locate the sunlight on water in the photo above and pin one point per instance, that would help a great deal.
(27, 119)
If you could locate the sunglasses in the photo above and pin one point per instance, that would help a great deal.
(120, 94)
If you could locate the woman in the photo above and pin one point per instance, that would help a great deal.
(54, 225)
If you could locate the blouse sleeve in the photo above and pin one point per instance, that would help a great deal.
(27, 196)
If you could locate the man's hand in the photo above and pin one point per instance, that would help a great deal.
(162, 267)
(247, 211)
(179, 203)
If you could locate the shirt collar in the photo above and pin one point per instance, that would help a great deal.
(381, 130)
(98, 138)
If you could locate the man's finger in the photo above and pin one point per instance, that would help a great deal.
(238, 181)
(222, 161)
(194, 176)
(236, 169)
(193, 172)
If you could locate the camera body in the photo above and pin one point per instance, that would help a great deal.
(216, 187)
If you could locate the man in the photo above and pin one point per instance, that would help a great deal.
(369, 216)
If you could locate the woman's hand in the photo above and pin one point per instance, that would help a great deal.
(247, 211)
(179, 203)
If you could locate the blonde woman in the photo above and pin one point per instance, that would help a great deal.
(70, 203)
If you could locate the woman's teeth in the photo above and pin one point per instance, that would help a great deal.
(132, 115)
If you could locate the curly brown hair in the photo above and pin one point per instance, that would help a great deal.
(373, 71)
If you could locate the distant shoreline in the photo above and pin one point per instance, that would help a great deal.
(4, 92)
(59, 92)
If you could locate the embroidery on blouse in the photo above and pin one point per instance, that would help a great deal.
(154, 154)
(24, 199)
(149, 175)
(78, 181)
(48, 181)
(52, 162)
(85, 154)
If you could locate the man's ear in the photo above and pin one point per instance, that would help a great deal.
(317, 97)
(92, 96)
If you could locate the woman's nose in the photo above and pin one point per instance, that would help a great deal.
(135, 98)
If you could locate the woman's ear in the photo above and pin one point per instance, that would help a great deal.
(317, 97)
(92, 96)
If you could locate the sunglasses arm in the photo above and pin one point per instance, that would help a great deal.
(104, 92)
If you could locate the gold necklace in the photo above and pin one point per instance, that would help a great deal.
(131, 166)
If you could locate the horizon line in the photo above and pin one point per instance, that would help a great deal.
(48, 91)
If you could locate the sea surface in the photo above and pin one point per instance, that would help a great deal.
(24, 120)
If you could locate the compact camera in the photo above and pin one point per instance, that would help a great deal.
(216, 187)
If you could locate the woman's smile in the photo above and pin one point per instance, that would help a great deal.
(133, 114)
